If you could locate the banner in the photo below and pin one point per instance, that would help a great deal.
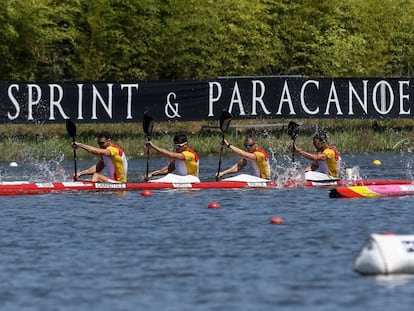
(197, 100)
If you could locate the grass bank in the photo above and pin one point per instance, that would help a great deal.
(23, 142)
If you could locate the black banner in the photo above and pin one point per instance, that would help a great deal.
(196, 100)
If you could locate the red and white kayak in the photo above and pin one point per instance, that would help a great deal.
(373, 190)
(173, 182)
(25, 188)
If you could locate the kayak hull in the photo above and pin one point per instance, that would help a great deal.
(373, 191)
(79, 186)
(28, 188)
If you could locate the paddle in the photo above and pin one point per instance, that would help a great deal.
(293, 132)
(71, 129)
(147, 124)
(225, 120)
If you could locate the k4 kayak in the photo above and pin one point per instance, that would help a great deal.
(373, 190)
(26, 188)
(30, 188)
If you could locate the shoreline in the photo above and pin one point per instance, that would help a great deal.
(51, 141)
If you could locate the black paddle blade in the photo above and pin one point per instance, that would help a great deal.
(225, 120)
(70, 128)
(147, 124)
(293, 130)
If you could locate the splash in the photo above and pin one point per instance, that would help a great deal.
(352, 175)
(40, 163)
(409, 168)
(292, 176)
(47, 170)
(284, 171)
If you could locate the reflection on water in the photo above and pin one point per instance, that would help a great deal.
(394, 280)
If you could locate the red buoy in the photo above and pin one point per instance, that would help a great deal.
(146, 193)
(276, 220)
(214, 205)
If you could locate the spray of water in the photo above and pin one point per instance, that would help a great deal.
(284, 171)
(40, 163)
(409, 168)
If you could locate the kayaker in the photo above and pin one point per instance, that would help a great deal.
(254, 156)
(184, 160)
(326, 159)
(110, 156)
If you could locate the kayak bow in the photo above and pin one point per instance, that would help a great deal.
(373, 191)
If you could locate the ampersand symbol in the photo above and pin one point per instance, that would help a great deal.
(171, 109)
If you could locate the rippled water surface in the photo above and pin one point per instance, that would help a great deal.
(169, 251)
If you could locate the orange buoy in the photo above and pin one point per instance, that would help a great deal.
(276, 220)
(146, 193)
(214, 205)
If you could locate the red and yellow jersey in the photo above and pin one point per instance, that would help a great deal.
(117, 164)
(332, 158)
(189, 166)
(261, 166)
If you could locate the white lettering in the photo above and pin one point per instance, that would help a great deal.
(56, 102)
(80, 100)
(403, 96)
(258, 98)
(171, 109)
(31, 101)
(211, 98)
(286, 98)
(302, 97)
(14, 102)
(407, 188)
(352, 92)
(282, 97)
(384, 85)
(236, 98)
(333, 98)
(97, 95)
(130, 88)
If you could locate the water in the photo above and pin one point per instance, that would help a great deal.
(111, 251)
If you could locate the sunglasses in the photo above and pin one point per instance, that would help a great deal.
(248, 146)
(101, 143)
(176, 146)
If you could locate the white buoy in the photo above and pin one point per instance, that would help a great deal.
(386, 254)
(13, 164)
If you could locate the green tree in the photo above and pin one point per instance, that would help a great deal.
(316, 40)
(215, 38)
(195, 39)
(387, 32)
(37, 39)
(116, 39)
